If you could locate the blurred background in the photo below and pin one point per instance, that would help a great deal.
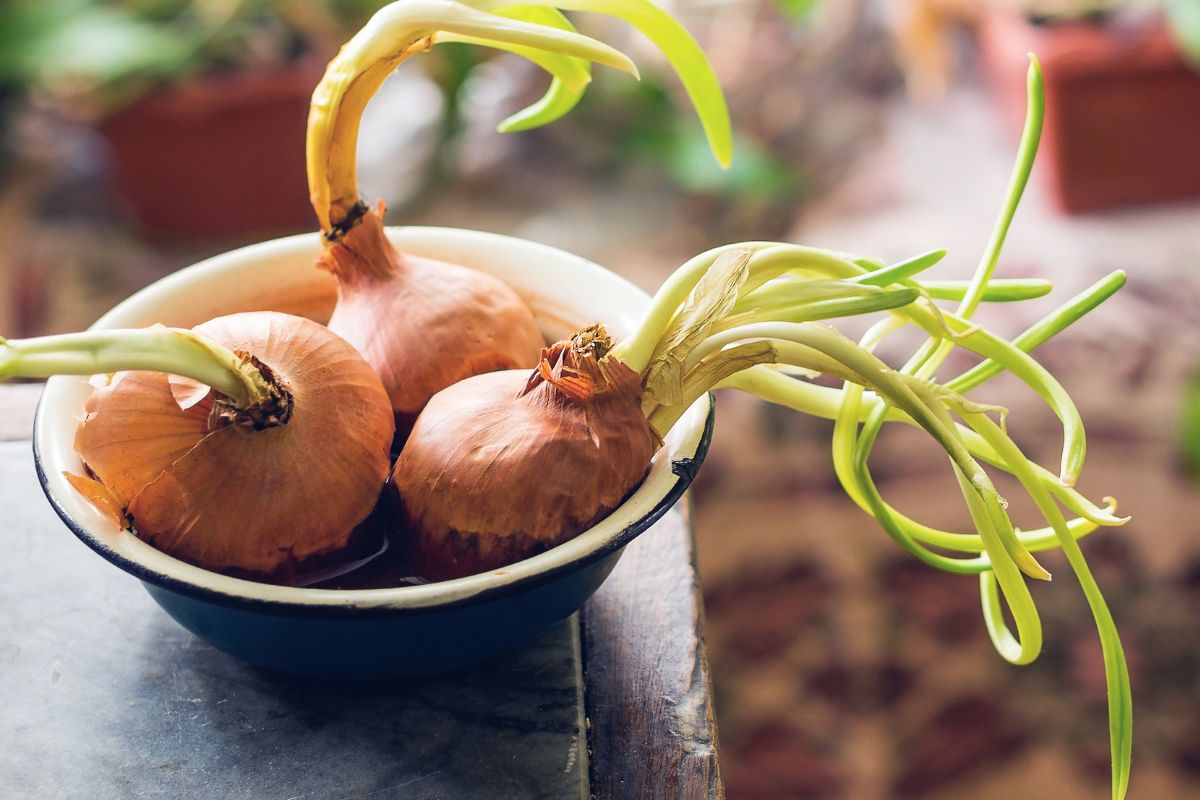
(137, 137)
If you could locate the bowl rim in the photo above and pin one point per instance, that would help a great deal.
(385, 602)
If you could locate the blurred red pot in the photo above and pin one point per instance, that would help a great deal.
(1122, 107)
(218, 156)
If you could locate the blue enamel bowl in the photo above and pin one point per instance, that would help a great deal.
(372, 633)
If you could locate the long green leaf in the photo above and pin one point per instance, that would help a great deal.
(680, 49)
(570, 81)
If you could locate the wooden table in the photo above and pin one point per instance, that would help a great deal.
(103, 695)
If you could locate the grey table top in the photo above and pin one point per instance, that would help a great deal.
(103, 696)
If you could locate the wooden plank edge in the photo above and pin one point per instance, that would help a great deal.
(649, 699)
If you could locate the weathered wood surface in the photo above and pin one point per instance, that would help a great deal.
(648, 689)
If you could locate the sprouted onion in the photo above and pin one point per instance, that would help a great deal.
(500, 467)
(424, 324)
(253, 444)
(275, 425)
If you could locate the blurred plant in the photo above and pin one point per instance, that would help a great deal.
(797, 9)
(921, 28)
(1189, 429)
(450, 66)
(1184, 18)
(1181, 16)
(99, 55)
(640, 120)
(1046, 11)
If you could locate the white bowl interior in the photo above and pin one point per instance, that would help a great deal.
(564, 290)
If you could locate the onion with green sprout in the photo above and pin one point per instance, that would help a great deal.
(500, 467)
(270, 447)
(254, 444)
(425, 324)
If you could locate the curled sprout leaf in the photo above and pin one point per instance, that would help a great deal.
(1116, 670)
(157, 348)
(570, 75)
(1035, 113)
(393, 34)
(873, 394)
(768, 336)
(685, 56)
(899, 272)
(1068, 314)
(997, 291)
(534, 29)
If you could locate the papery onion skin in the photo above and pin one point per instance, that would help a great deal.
(503, 466)
(256, 502)
(424, 324)
(135, 430)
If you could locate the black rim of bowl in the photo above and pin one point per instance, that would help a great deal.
(684, 469)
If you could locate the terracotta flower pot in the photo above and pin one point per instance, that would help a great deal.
(1122, 108)
(220, 156)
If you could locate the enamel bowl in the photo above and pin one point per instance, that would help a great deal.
(372, 633)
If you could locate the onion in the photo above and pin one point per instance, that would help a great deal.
(492, 436)
(422, 324)
(266, 474)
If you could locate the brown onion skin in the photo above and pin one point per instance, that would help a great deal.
(423, 324)
(232, 498)
(140, 403)
(503, 466)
